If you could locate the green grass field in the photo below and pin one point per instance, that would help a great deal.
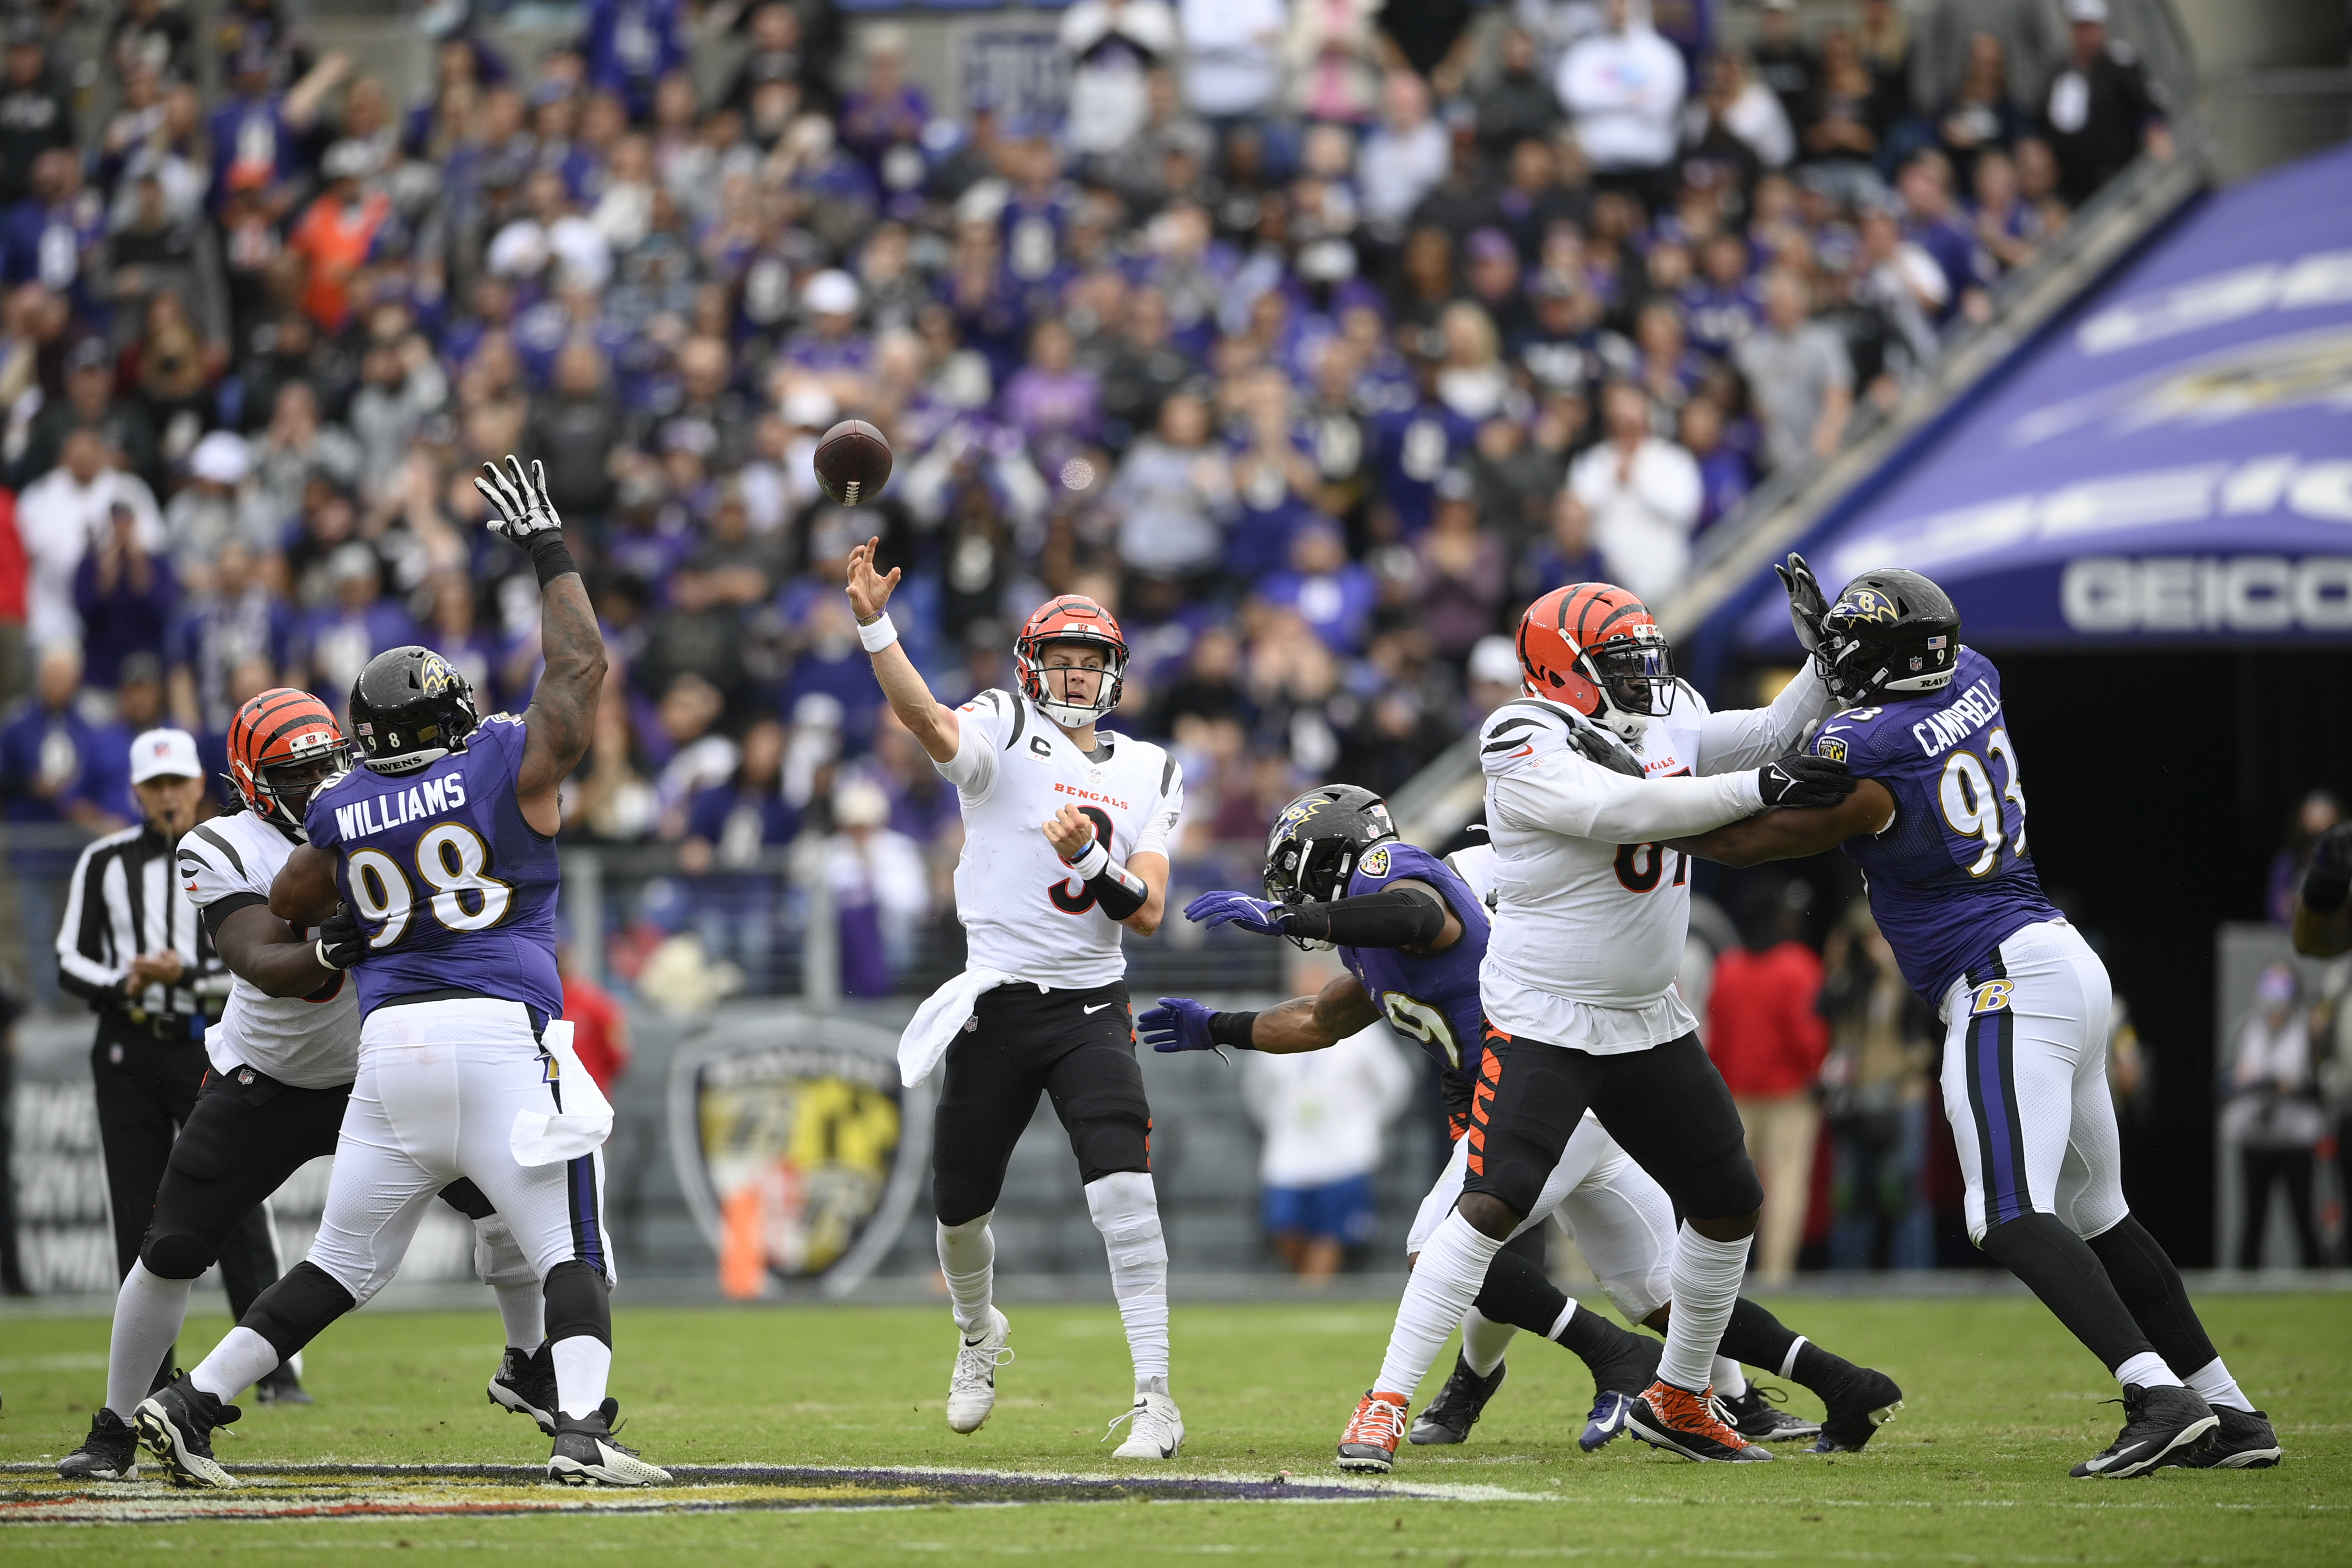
(1999, 1404)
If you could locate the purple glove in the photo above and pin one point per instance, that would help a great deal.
(1178, 1023)
(1260, 915)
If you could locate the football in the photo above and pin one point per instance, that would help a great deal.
(853, 462)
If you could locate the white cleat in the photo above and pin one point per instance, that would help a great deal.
(1157, 1432)
(972, 1388)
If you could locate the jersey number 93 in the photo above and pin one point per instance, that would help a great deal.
(1971, 807)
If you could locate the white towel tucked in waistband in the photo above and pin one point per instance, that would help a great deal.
(545, 1138)
(936, 1022)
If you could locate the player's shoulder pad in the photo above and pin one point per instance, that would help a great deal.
(1848, 737)
(214, 862)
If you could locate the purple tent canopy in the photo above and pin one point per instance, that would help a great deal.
(2171, 463)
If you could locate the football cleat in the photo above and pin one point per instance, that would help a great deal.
(1157, 1432)
(2244, 1441)
(1860, 1402)
(176, 1423)
(586, 1456)
(282, 1386)
(2156, 1421)
(1370, 1443)
(972, 1387)
(110, 1452)
(1605, 1421)
(1757, 1416)
(1691, 1425)
(1449, 1418)
(525, 1385)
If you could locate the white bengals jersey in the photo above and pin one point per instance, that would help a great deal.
(1023, 911)
(1591, 909)
(310, 1042)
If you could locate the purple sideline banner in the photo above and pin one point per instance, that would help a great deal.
(2171, 463)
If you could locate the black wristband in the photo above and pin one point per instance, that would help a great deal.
(1119, 892)
(552, 557)
(1233, 1029)
(2324, 889)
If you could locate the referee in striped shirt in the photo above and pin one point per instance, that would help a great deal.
(137, 950)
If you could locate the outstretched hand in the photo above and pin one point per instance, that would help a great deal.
(1225, 906)
(1178, 1023)
(1807, 604)
(520, 508)
(869, 591)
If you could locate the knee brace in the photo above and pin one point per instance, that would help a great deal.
(579, 1302)
(178, 1256)
(1111, 1137)
(497, 1256)
(295, 1310)
(1126, 1209)
(1720, 1188)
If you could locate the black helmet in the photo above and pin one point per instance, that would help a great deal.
(410, 707)
(1317, 839)
(1892, 634)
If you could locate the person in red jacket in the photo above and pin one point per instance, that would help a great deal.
(1769, 1041)
(600, 1025)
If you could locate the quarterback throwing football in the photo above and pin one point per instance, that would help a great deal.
(1065, 845)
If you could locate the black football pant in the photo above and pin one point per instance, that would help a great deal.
(1077, 1046)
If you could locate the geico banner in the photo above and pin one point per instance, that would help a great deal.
(798, 1148)
(2170, 463)
(2113, 593)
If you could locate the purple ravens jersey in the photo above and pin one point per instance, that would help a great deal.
(1432, 997)
(454, 890)
(1950, 877)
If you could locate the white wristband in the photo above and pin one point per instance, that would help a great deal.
(1092, 863)
(877, 634)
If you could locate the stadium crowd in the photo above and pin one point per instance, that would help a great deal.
(1315, 337)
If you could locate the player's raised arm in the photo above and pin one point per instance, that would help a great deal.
(1302, 1024)
(563, 715)
(931, 723)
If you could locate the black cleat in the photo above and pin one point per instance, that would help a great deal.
(176, 1425)
(1859, 1403)
(1757, 1416)
(586, 1456)
(525, 1385)
(282, 1386)
(1450, 1415)
(2244, 1441)
(2157, 1422)
(110, 1452)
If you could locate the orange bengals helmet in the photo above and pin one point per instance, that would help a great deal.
(281, 746)
(1595, 648)
(1071, 618)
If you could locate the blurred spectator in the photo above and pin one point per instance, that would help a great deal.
(2312, 816)
(1770, 1042)
(1799, 376)
(62, 516)
(1623, 87)
(1875, 1100)
(1323, 1113)
(1518, 107)
(2101, 111)
(600, 1025)
(1494, 675)
(124, 596)
(1643, 495)
(880, 890)
(89, 403)
(1979, 116)
(1333, 53)
(1113, 47)
(35, 117)
(1402, 157)
(1461, 576)
(2027, 31)
(2273, 1118)
(1330, 593)
(1785, 64)
(54, 763)
(1233, 56)
(1174, 492)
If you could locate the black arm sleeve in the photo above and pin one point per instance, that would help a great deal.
(1118, 891)
(1398, 917)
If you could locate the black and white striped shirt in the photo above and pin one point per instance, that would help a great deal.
(125, 899)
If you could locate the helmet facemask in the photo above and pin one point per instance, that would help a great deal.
(1634, 678)
(1047, 683)
(281, 791)
(1307, 871)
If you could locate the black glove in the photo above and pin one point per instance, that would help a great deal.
(1807, 604)
(340, 944)
(2329, 880)
(1804, 780)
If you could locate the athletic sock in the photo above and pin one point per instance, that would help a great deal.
(1484, 1340)
(1706, 1283)
(148, 1312)
(1753, 1335)
(241, 1360)
(1730, 1378)
(1126, 1209)
(968, 1262)
(583, 1366)
(2215, 1385)
(2147, 1370)
(2152, 1290)
(1516, 1291)
(2060, 1268)
(1437, 1294)
(523, 1308)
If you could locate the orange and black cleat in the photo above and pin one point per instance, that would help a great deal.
(1370, 1443)
(1691, 1425)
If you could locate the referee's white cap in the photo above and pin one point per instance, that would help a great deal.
(159, 753)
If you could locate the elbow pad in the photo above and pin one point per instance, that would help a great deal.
(1117, 892)
(1400, 916)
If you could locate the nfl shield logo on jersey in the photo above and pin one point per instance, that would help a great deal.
(798, 1148)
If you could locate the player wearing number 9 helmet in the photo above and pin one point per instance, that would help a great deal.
(1937, 823)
